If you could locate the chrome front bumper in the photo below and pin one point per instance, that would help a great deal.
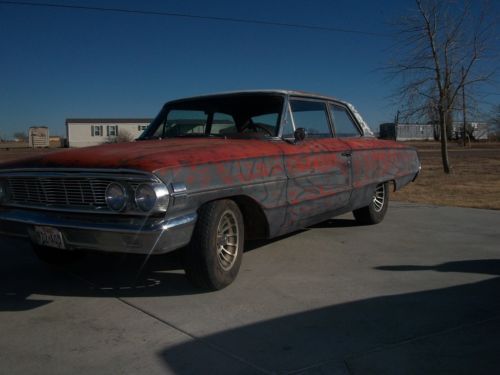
(140, 235)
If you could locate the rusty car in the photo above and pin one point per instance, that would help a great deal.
(208, 173)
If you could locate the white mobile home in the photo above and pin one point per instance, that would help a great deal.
(407, 132)
(83, 132)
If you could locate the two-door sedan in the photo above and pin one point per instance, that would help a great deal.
(208, 173)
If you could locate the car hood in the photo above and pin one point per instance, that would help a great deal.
(151, 155)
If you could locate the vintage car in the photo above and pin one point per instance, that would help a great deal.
(208, 173)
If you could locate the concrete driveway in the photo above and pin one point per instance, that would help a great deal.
(417, 294)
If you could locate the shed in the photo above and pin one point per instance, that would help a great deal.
(38, 136)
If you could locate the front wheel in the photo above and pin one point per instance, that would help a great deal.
(213, 258)
(374, 213)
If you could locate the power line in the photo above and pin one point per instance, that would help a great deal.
(196, 16)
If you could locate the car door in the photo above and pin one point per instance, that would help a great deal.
(318, 167)
(367, 154)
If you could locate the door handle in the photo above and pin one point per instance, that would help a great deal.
(346, 154)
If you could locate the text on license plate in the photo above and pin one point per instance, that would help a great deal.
(48, 236)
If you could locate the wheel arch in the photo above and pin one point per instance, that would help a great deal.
(254, 218)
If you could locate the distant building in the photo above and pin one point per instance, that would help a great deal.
(416, 132)
(478, 131)
(407, 132)
(38, 136)
(83, 132)
(56, 141)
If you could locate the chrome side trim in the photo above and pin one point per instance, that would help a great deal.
(179, 194)
(179, 188)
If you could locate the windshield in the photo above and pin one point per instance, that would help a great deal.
(219, 116)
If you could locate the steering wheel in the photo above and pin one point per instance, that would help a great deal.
(250, 124)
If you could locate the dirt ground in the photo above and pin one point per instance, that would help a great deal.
(474, 181)
(8, 154)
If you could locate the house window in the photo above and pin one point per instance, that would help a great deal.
(112, 130)
(96, 130)
(141, 127)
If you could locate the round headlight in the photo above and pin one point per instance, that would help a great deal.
(116, 196)
(3, 191)
(145, 197)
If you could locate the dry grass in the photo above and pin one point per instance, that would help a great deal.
(14, 153)
(474, 181)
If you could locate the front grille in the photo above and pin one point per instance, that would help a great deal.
(58, 191)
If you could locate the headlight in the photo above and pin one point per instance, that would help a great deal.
(145, 197)
(3, 191)
(116, 196)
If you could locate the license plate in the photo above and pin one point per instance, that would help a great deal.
(48, 236)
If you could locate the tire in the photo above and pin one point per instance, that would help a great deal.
(54, 256)
(213, 258)
(374, 213)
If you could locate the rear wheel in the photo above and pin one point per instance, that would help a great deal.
(374, 213)
(56, 256)
(213, 258)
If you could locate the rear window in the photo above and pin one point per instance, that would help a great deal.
(342, 122)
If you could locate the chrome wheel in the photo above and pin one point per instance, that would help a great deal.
(227, 240)
(379, 198)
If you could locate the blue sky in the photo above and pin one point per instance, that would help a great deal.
(61, 63)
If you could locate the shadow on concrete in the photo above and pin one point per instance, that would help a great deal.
(483, 266)
(22, 275)
(337, 223)
(101, 274)
(453, 330)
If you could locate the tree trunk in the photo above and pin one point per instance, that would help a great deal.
(444, 143)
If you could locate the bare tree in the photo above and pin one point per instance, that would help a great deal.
(438, 53)
(495, 123)
(21, 136)
(123, 137)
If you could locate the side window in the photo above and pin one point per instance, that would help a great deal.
(343, 123)
(223, 123)
(311, 116)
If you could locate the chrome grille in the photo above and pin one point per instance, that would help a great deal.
(58, 191)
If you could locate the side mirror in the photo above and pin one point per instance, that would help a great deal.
(300, 134)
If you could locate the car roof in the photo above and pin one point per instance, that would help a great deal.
(263, 91)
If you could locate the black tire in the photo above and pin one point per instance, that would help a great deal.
(374, 213)
(212, 260)
(54, 256)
